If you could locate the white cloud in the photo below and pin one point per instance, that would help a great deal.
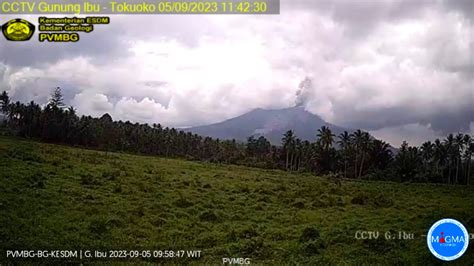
(90, 103)
(414, 134)
(391, 66)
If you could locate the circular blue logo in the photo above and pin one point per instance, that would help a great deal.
(447, 239)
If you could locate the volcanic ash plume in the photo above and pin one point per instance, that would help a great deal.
(302, 95)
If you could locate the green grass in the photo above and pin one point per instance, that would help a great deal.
(56, 197)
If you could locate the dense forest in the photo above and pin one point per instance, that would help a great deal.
(350, 155)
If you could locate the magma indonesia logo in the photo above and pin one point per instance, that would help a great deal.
(18, 30)
(447, 239)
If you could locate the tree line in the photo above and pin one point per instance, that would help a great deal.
(355, 155)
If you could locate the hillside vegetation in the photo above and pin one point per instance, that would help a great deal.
(57, 197)
(354, 155)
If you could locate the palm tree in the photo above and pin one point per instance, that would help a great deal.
(306, 153)
(380, 154)
(361, 141)
(344, 143)
(365, 144)
(468, 154)
(427, 153)
(325, 137)
(449, 144)
(298, 148)
(288, 142)
(4, 103)
(459, 146)
(439, 155)
(356, 142)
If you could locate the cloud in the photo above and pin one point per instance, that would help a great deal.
(400, 66)
(90, 103)
(415, 133)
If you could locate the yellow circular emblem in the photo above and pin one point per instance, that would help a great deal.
(18, 30)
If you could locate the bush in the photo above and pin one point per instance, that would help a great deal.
(265, 199)
(37, 180)
(98, 226)
(309, 234)
(360, 199)
(313, 247)
(311, 242)
(118, 188)
(383, 201)
(340, 201)
(158, 222)
(248, 232)
(323, 201)
(255, 247)
(299, 204)
(245, 190)
(111, 174)
(88, 180)
(209, 216)
(183, 203)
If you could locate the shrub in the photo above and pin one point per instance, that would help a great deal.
(209, 216)
(244, 190)
(89, 180)
(183, 203)
(37, 180)
(118, 188)
(254, 247)
(383, 201)
(248, 232)
(232, 236)
(309, 234)
(158, 222)
(318, 203)
(360, 199)
(265, 199)
(299, 204)
(111, 174)
(98, 226)
(340, 201)
(139, 211)
(313, 247)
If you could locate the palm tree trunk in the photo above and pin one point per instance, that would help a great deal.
(286, 164)
(298, 163)
(468, 168)
(361, 166)
(437, 168)
(355, 166)
(291, 162)
(345, 167)
(449, 172)
(457, 170)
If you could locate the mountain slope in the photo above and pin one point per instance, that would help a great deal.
(271, 124)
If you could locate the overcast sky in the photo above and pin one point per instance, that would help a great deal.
(399, 69)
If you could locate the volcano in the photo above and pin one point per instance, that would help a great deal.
(270, 123)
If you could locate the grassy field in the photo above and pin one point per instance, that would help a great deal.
(56, 197)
